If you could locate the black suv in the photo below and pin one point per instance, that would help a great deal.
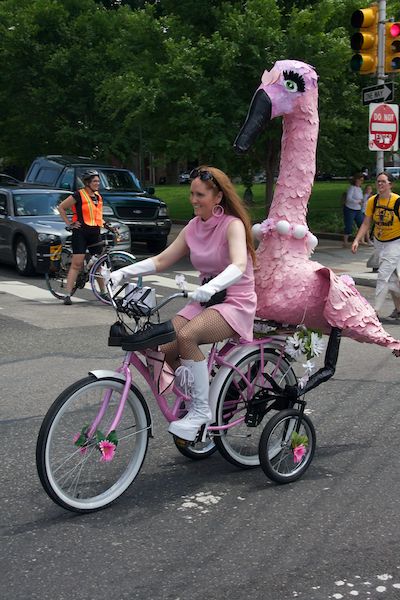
(124, 197)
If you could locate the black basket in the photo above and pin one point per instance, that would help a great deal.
(137, 302)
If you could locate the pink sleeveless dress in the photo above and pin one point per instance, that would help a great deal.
(209, 254)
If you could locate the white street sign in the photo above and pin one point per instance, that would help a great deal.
(383, 92)
(383, 127)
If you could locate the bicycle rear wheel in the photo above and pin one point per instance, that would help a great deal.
(239, 444)
(56, 281)
(277, 457)
(116, 259)
(76, 477)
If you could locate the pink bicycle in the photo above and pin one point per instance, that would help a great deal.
(94, 438)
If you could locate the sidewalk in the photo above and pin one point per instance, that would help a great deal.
(331, 253)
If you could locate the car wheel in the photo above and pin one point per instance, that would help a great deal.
(157, 245)
(22, 257)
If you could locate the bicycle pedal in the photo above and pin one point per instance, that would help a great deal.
(253, 419)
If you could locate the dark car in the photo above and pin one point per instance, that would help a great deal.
(29, 218)
(8, 180)
(124, 197)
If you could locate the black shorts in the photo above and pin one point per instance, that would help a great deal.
(86, 238)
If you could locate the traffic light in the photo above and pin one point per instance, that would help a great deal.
(392, 51)
(365, 41)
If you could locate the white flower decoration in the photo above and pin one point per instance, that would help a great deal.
(181, 282)
(304, 344)
(317, 345)
(295, 345)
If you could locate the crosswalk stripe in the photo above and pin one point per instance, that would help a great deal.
(166, 282)
(28, 291)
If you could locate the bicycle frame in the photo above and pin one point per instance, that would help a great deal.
(216, 357)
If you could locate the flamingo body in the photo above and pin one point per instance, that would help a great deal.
(290, 287)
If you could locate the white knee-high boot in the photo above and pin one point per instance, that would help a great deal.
(199, 413)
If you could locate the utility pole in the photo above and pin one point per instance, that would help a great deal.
(380, 163)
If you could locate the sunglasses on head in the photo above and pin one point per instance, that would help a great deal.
(203, 176)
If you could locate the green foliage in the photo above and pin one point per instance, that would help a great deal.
(110, 78)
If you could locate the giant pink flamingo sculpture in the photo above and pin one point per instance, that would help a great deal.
(290, 287)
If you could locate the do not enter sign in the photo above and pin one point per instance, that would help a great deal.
(383, 126)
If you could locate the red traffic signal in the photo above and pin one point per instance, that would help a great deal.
(392, 48)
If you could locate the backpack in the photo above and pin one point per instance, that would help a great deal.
(396, 207)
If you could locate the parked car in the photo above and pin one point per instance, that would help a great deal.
(124, 198)
(29, 217)
(184, 177)
(8, 180)
(260, 177)
(394, 171)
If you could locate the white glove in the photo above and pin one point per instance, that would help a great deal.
(228, 277)
(144, 267)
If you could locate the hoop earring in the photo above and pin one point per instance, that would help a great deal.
(217, 210)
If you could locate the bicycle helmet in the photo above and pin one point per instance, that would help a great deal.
(89, 174)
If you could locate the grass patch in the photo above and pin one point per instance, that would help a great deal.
(325, 209)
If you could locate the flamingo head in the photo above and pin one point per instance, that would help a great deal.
(290, 87)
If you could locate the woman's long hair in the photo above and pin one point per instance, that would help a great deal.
(231, 203)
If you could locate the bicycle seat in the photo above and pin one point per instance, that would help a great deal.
(154, 335)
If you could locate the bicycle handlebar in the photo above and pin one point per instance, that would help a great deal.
(151, 310)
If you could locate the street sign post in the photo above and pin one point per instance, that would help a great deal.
(383, 127)
(378, 93)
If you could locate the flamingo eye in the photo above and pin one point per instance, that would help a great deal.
(293, 82)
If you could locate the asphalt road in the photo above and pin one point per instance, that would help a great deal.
(184, 530)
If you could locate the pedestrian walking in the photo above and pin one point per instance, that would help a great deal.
(383, 211)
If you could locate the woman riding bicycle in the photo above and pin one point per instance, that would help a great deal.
(87, 219)
(219, 242)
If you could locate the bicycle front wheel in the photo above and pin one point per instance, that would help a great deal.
(277, 455)
(239, 443)
(77, 477)
(116, 259)
(56, 281)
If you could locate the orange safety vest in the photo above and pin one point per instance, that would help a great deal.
(92, 214)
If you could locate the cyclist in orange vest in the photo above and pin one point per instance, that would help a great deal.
(86, 205)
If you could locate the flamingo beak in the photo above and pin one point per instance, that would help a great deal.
(257, 117)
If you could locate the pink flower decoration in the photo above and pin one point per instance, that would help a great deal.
(107, 450)
(348, 280)
(267, 225)
(298, 453)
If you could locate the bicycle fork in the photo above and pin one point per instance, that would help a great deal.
(125, 371)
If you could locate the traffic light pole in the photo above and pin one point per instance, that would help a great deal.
(380, 163)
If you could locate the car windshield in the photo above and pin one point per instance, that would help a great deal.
(37, 204)
(119, 180)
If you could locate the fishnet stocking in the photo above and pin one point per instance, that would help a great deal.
(206, 328)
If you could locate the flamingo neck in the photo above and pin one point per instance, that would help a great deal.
(297, 167)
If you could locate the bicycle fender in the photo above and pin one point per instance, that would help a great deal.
(233, 357)
(106, 374)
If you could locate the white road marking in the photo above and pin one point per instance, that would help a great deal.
(167, 282)
(28, 291)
